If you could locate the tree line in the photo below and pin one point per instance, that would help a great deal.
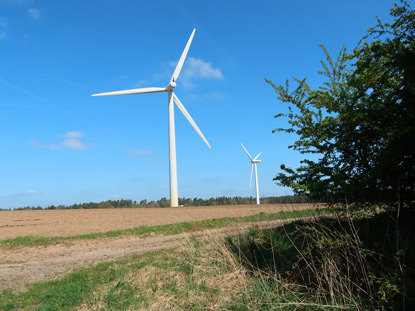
(163, 202)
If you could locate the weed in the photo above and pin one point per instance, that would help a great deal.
(331, 263)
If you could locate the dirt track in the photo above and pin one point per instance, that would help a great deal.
(22, 265)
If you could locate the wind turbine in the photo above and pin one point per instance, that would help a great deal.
(254, 161)
(171, 98)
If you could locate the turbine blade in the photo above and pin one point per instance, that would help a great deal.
(247, 152)
(250, 181)
(133, 91)
(189, 118)
(182, 58)
(257, 155)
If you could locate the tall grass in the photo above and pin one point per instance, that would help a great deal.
(337, 262)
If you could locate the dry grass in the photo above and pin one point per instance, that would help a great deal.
(205, 275)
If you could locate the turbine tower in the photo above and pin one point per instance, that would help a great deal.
(254, 161)
(174, 201)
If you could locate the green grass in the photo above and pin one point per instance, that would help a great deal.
(76, 288)
(197, 276)
(181, 278)
(263, 269)
(166, 229)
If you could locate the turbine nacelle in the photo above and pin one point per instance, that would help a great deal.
(171, 86)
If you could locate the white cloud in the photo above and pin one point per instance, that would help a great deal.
(201, 69)
(41, 145)
(193, 68)
(3, 35)
(73, 143)
(74, 134)
(33, 192)
(197, 68)
(35, 13)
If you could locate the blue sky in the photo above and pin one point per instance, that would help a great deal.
(59, 145)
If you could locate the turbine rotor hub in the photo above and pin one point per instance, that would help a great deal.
(171, 86)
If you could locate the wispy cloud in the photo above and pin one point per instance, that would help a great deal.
(74, 134)
(32, 192)
(200, 69)
(26, 92)
(195, 68)
(18, 199)
(46, 146)
(36, 14)
(72, 141)
(21, 194)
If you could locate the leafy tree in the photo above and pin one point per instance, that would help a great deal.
(360, 122)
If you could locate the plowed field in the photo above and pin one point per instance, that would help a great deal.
(27, 264)
(51, 223)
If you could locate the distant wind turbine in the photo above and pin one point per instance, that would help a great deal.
(254, 161)
(171, 98)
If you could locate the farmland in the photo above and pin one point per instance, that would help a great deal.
(58, 223)
(30, 263)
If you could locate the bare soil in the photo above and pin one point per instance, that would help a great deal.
(53, 223)
(24, 265)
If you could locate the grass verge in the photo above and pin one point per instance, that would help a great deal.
(358, 263)
(195, 276)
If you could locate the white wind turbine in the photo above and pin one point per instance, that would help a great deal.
(254, 161)
(171, 98)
